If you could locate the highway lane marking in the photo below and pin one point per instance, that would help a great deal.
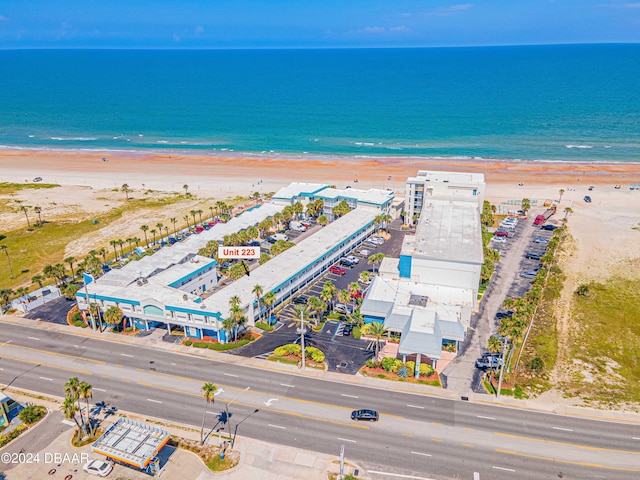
(569, 462)
(126, 355)
(105, 376)
(415, 406)
(99, 389)
(287, 385)
(33, 338)
(635, 438)
(585, 447)
(152, 400)
(118, 364)
(293, 414)
(437, 440)
(230, 375)
(174, 364)
(1, 368)
(437, 423)
(563, 429)
(47, 379)
(502, 468)
(423, 454)
(486, 418)
(126, 381)
(277, 426)
(349, 396)
(407, 435)
(346, 440)
(399, 475)
(470, 445)
(40, 364)
(13, 345)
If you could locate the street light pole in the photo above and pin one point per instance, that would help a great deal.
(226, 407)
(235, 430)
(504, 349)
(86, 293)
(302, 332)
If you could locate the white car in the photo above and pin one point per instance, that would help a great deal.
(101, 468)
(499, 239)
(364, 252)
(353, 259)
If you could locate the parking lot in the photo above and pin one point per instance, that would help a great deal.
(343, 352)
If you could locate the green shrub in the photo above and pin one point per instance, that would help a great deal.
(426, 370)
(357, 333)
(264, 326)
(220, 347)
(77, 317)
(289, 349)
(371, 363)
(32, 413)
(391, 364)
(315, 354)
(411, 366)
(188, 343)
(201, 344)
(4, 439)
(536, 363)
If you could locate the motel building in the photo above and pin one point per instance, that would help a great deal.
(427, 296)
(165, 290)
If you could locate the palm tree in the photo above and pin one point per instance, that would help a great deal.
(344, 296)
(354, 289)
(70, 261)
(494, 344)
(120, 244)
(323, 220)
(278, 218)
(103, 253)
(145, 228)
(365, 276)
(211, 211)
(228, 324)
(326, 295)
(199, 212)
(25, 209)
(5, 294)
(21, 291)
(186, 218)
(257, 291)
(6, 251)
(125, 189)
(268, 300)
(561, 193)
(378, 332)
(71, 389)
(525, 205)
(69, 408)
(193, 214)
(38, 210)
(84, 391)
(236, 316)
(384, 218)
(567, 211)
(113, 243)
(186, 189)
(112, 316)
(38, 279)
(376, 258)
(130, 240)
(317, 306)
(209, 393)
(174, 220)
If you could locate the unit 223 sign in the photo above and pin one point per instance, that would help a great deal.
(238, 252)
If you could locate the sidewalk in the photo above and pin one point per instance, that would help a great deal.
(154, 340)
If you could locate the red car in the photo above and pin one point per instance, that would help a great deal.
(357, 294)
(501, 233)
(199, 229)
(337, 270)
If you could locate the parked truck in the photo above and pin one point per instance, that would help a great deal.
(540, 219)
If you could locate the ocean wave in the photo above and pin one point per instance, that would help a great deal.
(578, 146)
(74, 139)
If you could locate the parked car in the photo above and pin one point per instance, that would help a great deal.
(488, 362)
(533, 255)
(364, 252)
(100, 468)
(549, 227)
(353, 259)
(540, 240)
(499, 239)
(348, 328)
(211, 224)
(376, 240)
(357, 294)
(337, 270)
(199, 229)
(369, 415)
(342, 308)
(500, 233)
(37, 179)
(528, 274)
(346, 263)
(300, 300)
(587, 198)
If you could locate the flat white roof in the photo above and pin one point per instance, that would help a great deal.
(287, 264)
(444, 177)
(448, 230)
(296, 189)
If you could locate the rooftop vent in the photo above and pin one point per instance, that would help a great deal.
(418, 300)
(185, 297)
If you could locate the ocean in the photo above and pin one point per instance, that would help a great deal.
(555, 103)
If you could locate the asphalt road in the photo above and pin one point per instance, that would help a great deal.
(416, 435)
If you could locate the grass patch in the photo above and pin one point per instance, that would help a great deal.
(80, 441)
(9, 188)
(288, 361)
(209, 454)
(264, 326)
(606, 340)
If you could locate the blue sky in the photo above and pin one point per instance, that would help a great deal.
(313, 23)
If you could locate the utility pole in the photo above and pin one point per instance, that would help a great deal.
(86, 293)
(504, 349)
(302, 332)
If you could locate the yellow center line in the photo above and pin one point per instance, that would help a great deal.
(575, 445)
(437, 440)
(569, 462)
(407, 435)
(468, 445)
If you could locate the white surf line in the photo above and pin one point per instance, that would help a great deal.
(563, 429)
(47, 379)
(230, 375)
(505, 469)
(346, 440)
(423, 454)
(33, 338)
(287, 385)
(2, 369)
(415, 406)
(152, 400)
(486, 418)
(399, 475)
(349, 396)
(278, 426)
(126, 355)
(635, 438)
(99, 389)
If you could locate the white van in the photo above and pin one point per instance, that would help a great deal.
(280, 236)
(297, 226)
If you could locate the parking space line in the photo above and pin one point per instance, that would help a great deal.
(278, 426)
(423, 454)
(346, 440)
(415, 406)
